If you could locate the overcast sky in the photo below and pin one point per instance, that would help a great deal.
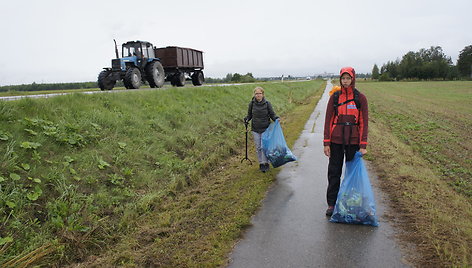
(71, 41)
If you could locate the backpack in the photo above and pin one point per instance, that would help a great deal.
(337, 104)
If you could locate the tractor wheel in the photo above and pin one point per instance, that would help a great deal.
(179, 79)
(132, 78)
(105, 82)
(198, 78)
(155, 74)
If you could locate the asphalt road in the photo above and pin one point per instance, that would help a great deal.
(291, 229)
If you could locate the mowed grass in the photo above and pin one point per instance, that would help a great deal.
(420, 144)
(136, 178)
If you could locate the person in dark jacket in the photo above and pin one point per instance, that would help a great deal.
(345, 131)
(260, 111)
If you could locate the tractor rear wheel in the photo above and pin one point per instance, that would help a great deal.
(105, 81)
(179, 79)
(198, 78)
(132, 78)
(155, 74)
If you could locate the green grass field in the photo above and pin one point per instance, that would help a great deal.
(419, 142)
(138, 178)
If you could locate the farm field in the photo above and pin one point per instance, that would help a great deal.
(419, 143)
(118, 178)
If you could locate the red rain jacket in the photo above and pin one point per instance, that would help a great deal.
(355, 134)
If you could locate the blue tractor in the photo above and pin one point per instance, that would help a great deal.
(137, 65)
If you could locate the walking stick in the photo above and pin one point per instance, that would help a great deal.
(246, 158)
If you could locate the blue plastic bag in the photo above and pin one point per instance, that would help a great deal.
(274, 146)
(355, 203)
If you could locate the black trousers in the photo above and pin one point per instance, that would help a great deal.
(335, 168)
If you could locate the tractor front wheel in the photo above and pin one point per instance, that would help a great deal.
(105, 80)
(132, 78)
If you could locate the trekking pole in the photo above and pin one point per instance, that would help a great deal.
(246, 158)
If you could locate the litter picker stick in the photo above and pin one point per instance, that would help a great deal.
(246, 158)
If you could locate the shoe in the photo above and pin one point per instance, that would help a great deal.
(329, 211)
(267, 166)
(262, 167)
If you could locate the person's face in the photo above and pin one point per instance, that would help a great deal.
(259, 95)
(346, 80)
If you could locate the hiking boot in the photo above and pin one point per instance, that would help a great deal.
(329, 211)
(267, 166)
(262, 167)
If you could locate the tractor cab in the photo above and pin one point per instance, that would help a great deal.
(134, 54)
(139, 49)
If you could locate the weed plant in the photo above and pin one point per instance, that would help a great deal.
(78, 171)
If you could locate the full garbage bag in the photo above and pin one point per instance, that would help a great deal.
(274, 146)
(355, 203)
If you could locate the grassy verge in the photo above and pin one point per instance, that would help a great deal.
(199, 227)
(59, 91)
(140, 170)
(420, 146)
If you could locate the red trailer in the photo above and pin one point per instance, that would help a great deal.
(180, 63)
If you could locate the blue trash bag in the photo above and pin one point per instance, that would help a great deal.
(274, 146)
(355, 203)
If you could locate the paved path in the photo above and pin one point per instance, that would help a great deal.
(291, 230)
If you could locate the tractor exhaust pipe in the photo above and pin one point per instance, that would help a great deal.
(116, 50)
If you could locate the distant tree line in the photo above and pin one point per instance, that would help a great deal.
(358, 76)
(426, 64)
(235, 78)
(56, 86)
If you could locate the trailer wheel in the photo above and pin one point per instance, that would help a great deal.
(132, 78)
(105, 81)
(198, 78)
(179, 79)
(172, 80)
(155, 74)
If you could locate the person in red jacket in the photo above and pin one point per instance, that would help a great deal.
(345, 130)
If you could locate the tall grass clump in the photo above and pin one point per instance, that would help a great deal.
(78, 171)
